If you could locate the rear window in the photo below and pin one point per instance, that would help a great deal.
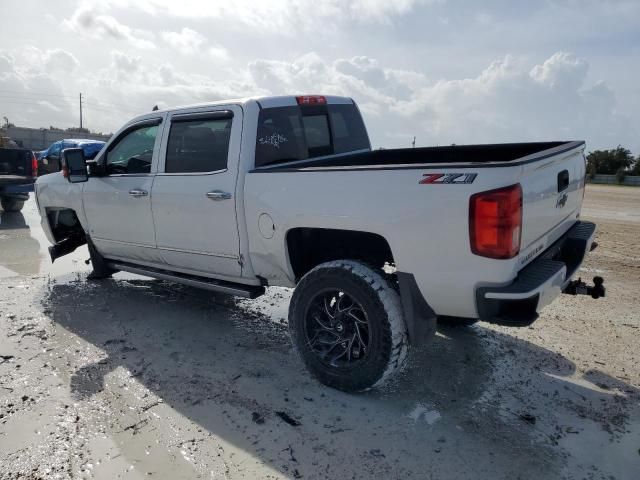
(297, 133)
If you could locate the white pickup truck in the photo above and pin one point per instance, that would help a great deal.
(238, 195)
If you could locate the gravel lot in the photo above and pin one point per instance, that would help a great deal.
(137, 378)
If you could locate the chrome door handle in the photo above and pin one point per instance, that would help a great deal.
(218, 195)
(136, 192)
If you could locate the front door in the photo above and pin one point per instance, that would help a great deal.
(193, 198)
(118, 204)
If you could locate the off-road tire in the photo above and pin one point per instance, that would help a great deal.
(457, 321)
(10, 204)
(98, 263)
(388, 343)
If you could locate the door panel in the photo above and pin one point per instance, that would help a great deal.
(193, 200)
(118, 205)
(114, 214)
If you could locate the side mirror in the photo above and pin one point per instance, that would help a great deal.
(74, 166)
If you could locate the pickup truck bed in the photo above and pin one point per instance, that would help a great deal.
(473, 155)
(17, 176)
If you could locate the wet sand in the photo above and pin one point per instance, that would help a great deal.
(138, 378)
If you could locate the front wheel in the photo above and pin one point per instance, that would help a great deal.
(10, 204)
(100, 268)
(347, 324)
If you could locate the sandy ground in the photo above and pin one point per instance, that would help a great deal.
(137, 378)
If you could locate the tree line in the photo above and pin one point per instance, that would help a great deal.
(618, 161)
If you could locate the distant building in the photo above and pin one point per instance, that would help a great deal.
(41, 138)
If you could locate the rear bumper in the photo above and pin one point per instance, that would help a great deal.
(16, 185)
(539, 283)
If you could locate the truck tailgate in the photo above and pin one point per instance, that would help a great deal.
(15, 162)
(552, 193)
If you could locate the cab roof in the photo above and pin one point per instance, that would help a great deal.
(262, 101)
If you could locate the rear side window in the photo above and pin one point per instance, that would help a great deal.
(200, 145)
(297, 133)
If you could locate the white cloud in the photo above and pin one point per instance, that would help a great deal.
(281, 16)
(380, 10)
(218, 52)
(508, 101)
(29, 93)
(190, 42)
(90, 21)
(186, 41)
(130, 85)
(60, 60)
(443, 71)
(561, 70)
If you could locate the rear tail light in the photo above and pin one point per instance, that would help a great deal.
(311, 100)
(495, 222)
(34, 165)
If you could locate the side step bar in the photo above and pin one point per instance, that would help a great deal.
(230, 288)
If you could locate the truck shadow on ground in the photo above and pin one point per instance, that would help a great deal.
(474, 403)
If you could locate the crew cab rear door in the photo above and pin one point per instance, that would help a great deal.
(193, 198)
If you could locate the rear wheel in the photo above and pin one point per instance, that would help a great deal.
(347, 324)
(10, 204)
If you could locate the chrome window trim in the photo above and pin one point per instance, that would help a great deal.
(127, 175)
(191, 174)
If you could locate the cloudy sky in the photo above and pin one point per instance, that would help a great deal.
(446, 71)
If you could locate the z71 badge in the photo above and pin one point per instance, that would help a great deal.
(448, 178)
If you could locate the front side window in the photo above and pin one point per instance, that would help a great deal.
(133, 152)
(199, 145)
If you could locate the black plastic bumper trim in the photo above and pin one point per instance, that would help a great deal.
(567, 252)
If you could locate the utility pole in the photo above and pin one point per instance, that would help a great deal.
(81, 111)
(413, 144)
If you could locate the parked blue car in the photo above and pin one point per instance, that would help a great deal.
(49, 159)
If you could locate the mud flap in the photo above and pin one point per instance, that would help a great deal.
(420, 319)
